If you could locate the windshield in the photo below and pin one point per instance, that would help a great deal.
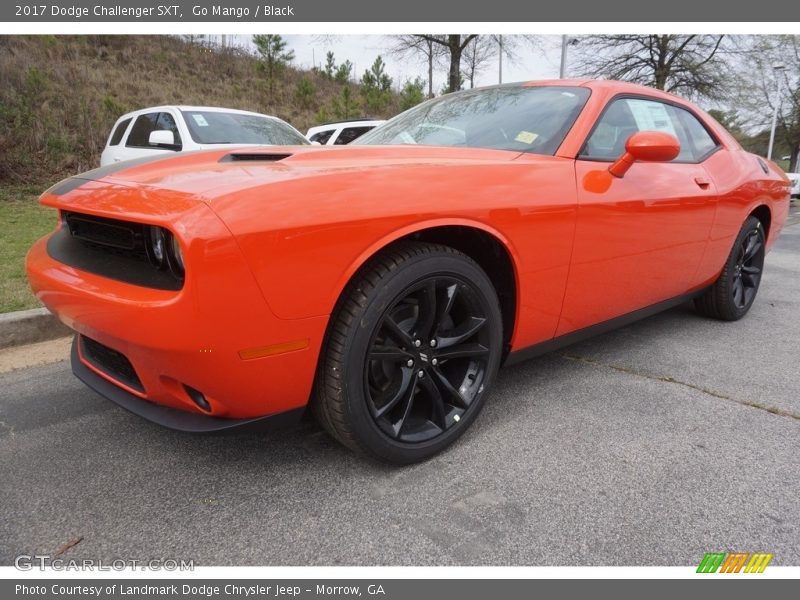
(212, 127)
(522, 119)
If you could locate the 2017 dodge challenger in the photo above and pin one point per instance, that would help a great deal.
(383, 283)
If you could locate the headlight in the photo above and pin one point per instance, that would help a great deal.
(157, 246)
(164, 250)
(176, 255)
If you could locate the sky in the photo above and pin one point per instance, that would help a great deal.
(541, 62)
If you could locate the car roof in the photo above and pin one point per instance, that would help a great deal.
(607, 85)
(185, 107)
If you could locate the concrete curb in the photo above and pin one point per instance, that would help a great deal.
(30, 326)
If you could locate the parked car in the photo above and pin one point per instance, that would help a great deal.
(341, 132)
(795, 179)
(160, 130)
(385, 282)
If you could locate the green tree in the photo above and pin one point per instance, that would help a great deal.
(322, 115)
(344, 105)
(413, 93)
(304, 91)
(274, 58)
(376, 87)
(330, 65)
(343, 72)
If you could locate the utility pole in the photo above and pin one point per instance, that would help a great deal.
(778, 72)
(562, 74)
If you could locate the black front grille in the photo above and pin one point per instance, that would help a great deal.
(112, 363)
(111, 248)
(120, 237)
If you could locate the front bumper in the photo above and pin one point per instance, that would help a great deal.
(216, 335)
(171, 418)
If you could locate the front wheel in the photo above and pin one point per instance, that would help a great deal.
(411, 352)
(733, 293)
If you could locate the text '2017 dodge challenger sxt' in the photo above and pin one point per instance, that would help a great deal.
(384, 283)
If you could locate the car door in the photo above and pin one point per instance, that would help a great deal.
(137, 144)
(640, 238)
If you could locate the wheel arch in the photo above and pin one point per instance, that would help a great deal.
(488, 247)
(763, 214)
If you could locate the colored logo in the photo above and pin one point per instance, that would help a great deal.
(734, 562)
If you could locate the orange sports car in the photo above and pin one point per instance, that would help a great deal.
(383, 284)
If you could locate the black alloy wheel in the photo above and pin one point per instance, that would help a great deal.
(748, 267)
(733, 293)
(411, 352)
(427, 360)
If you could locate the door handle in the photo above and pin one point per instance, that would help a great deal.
(702, 182)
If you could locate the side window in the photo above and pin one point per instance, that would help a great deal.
(147, 124)
(626, 116)
(167, 122)
(350, 134)
(322, 137)
(142, 128)
(700, 140)
(119, 131)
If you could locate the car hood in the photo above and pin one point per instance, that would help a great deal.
(207, 175)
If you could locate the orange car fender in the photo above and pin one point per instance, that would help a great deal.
(416, 227)
(743, 188)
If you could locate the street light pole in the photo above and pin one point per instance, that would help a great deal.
(500, 59)
(778, 71)
(563, 71)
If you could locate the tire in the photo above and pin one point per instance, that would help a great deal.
(412, 349)
(735, 289)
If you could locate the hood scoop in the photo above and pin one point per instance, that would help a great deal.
(254, 157)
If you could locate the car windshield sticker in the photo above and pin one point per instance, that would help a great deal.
(526, 137)
(200, 120)
(651, 116)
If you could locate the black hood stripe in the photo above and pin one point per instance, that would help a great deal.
(76, 181)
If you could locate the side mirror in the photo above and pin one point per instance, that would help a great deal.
(646, 146)
(164, 138)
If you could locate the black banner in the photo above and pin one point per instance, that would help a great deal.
(256, 11)
(395, 589)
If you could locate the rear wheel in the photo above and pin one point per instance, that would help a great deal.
(733, 293)
(412, 350)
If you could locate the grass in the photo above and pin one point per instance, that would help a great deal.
(23, 222)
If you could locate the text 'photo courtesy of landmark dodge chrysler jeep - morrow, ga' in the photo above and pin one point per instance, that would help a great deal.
(383, 283)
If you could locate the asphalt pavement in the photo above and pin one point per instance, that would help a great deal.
(650, 445)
